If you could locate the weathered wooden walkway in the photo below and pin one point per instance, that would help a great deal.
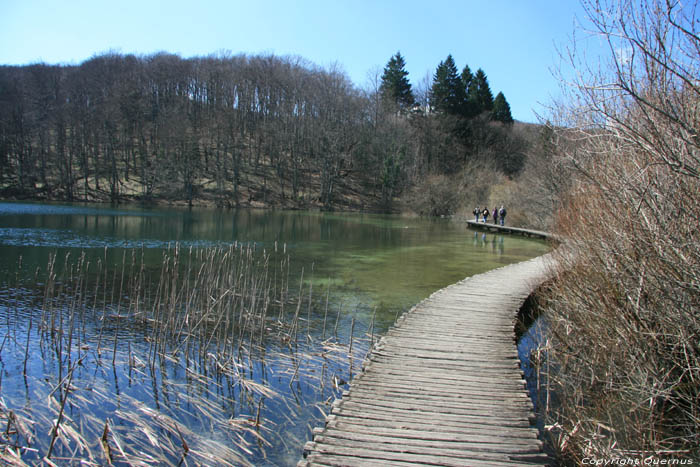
(511, 230)
(444, 386)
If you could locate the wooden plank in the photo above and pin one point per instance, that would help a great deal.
(461, 424)
(442, 429)
(430, 413)
(353, 461)
(490, 390)
(473, 334)
(465, 346)
(435, 435)
(473, 392)
(444, 405)
(455, 362)
(440, 401)
(448, 391)
(424, 376)
(412, 364)
(432, 419)
(471, 331)
(438, 448)
(372, 452)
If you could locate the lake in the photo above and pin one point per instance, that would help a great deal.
(125, 336)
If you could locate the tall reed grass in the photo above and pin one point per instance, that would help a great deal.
(166, 365)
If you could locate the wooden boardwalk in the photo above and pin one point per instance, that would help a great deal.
(491, 227)
(443, 386)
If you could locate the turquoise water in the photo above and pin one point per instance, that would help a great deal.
(367, 268)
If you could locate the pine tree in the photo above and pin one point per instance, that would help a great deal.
(395, 88)
(480, 94)
(501, 109)
(447, 93)
(468, 107)
(467, 77)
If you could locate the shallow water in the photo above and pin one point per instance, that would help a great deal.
(366, 265)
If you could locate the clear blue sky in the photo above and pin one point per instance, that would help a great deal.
(512, 40)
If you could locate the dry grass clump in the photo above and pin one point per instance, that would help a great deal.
(625, 320)
(625, 314)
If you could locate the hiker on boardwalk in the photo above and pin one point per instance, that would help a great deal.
(495, 215)
(476, 212)
(485, 214)
(502, 214)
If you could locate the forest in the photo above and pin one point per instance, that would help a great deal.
(239, 130)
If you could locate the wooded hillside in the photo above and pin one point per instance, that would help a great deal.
(235, 130)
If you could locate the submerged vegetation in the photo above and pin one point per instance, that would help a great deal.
(118, 364)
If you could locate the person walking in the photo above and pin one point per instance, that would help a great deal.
(476, 213)
(502, 214)
(485, 214)
(495, 216)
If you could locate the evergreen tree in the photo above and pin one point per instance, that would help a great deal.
(501, 109)
(479, 94)
(447, 92)
(395, 88)
(467, 77)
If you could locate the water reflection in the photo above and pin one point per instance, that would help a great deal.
(495, 242)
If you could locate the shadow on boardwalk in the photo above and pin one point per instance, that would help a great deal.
(444, 386)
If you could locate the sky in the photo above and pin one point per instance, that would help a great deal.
(515, 42)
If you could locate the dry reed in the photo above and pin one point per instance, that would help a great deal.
(145, 359)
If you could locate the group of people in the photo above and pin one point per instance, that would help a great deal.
(498, 214)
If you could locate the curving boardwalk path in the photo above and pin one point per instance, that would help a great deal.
(444, 386)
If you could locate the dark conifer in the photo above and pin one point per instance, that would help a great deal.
(447, 93)
(480, 93)
(501, 109)
(468, 109)
(395, 88)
